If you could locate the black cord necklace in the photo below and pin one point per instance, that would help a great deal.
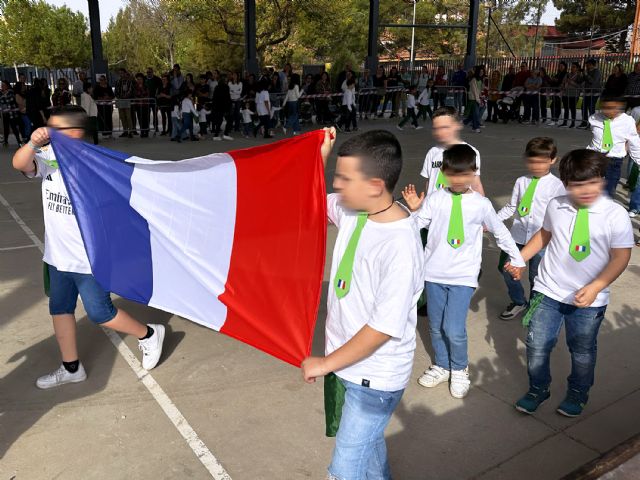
(381, 211)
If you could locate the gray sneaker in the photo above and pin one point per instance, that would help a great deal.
(60, 377)
(512, 311)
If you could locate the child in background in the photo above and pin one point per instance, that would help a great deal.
(531, 195)
(203, 115)
(424, 102)
(411, 110)
(247, 119)
(349, 108)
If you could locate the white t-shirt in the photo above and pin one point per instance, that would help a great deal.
(246, 115)
(524, 228)
(202, 115)
(623, 132)
(425, 97)
(349, 98)
(411, 102)
(212, 86)
(433, 162)
(176, 113)
(386, 284)
(262, 97)
(460, 266)
(187, 108)
(63, 246)
(235, 90)
(559, 275)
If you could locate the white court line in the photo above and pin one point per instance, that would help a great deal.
(15, 181)
(198, 447)
(8, 249)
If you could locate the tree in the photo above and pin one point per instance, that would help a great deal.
(610, 16)
(38, 33)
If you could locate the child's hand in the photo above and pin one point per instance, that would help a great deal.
(312, 368)
(411, 197)
(40, 137)
(515, 272)
(585, 296)
(329, 142)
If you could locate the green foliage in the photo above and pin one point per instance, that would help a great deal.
(41, 34)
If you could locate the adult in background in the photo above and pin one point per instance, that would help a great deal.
(61, 95)
(235, 91)
(10, 112)
(124, 94)
(632, 92)
(555, 85)
(458, 80)
(103, 95)
(494, 95)
(142, 104)
(176, 80)
(35, 105)
(592, 87)
(393, 79)
(221, 110)
(342, 77)
(616, 83)
(570, 91)
(519, 81)
(365, 85)
(163, 100)
(152, 82)
(440, 88)
(532, 87)
(544, 93)
(78, 86)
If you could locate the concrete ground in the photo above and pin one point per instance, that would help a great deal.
(253, 412)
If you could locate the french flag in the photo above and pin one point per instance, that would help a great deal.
(581, 248)
(233, 241)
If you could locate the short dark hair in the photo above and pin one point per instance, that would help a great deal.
(351, 81)
(459, 159)
(75, 115)
(380, 155)
(608, 98)
(446, 112)
(582, 165)
(541, 147)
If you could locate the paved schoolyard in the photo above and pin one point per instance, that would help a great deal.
(254, 413)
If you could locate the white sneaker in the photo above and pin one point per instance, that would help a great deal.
(216, 139)
(433, 376)
(460, 383)
(399, 127)
(284, 130)
(633, 213)
(551, 124)
(227, 137)
(419, 127)
(152, 347)
(60, 377)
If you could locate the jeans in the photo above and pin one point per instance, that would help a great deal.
(447, 307)
(589, 106)
(634, 201)
(516, 291)
(492, 111)
(361, 452)
(473, 115)
(424, 110)
(569, 104)
(411, 115)
(459, 100)
(187, 125)
(581, 326)
(532, 107)
(64, 290)
(613, 174)
(293, 120)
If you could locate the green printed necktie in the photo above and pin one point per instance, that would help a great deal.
(441, 180)
(455, 235)
(527, 199)
(580, 247)
(342, 282)
(607, 137)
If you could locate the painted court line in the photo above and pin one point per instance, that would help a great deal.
(8, 249)
(198, 447)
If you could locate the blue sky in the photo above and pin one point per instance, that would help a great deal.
(110, 8)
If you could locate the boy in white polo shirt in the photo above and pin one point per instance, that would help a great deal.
(531, 195)
(446, 128)
(455, 217)
(588, 239)
(376, 279)
(614, 132)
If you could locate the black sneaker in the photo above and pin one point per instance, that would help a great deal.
(512, 311)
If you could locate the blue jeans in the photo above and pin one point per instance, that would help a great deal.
(613, 174)
(634, 201)
(581, 325)
(292, 116)
(516, 291)
(64, 290)
(187, 125)
(447, 307)
(473, 115)
(361, 452)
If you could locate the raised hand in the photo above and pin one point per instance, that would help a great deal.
(411, 197)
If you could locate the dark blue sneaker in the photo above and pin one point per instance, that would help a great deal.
(532, 400)
(573, 403)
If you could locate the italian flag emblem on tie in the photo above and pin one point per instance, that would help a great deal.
(441, 181)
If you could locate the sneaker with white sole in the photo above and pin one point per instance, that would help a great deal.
(512, 311)
(551, 124)
(61, 376)
(460, 383)
(434, 376)
(227, 137)
(151, 347)
(418, 127)
(216, 139)
(633, 213)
